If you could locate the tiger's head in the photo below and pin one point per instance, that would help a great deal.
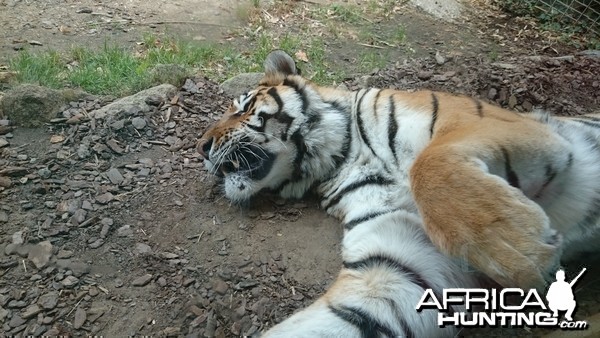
(285, 135)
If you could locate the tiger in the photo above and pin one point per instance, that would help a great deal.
(434, 190)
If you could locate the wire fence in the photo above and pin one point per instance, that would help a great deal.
(581, 14)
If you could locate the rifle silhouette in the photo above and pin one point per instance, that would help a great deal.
(576, 278)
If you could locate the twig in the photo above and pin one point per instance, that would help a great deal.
(74, 307)
(371, 46)
(183, 23)
(89, 221)
(24, 266)
(288, 285)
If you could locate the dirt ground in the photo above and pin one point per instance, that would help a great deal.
(154, 248)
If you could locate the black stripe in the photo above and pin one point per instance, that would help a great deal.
(408, 332)
(288, 120)
(273, 92)
(368, 325)
(298, 140)
(589, 123)
(379, 259)
(361, 127)
(300, 91)
(375, 103)
(570, 160)
(249, 104)
(351, 224)
(392, 128)
(549, 176)
(479, 107)
(373, 179)
(591, 118)
(434, 115)
(340, 159)
(511, 176)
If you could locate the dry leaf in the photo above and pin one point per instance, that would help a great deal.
(301, 55)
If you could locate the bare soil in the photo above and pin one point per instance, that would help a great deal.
(215, 269)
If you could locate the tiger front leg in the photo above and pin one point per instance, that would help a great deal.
(477, 216)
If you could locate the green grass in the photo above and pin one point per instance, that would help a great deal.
(119, 71)
(45, 69)
(370, 60)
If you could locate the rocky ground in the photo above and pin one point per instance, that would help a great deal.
(110, 225)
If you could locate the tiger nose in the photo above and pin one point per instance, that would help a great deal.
(204, 146)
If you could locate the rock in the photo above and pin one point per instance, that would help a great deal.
(63, 254)
(16, 320)
(439, 59)
(114, 175)
(83, 151)
(3, 142)
(40, 254)
(138, 123)
(220, 287)
(512, 101)
(45, 173)
(80, 317)
(492, 93)
(5, 182)
(48, 301)
(135, 101)
(78, 217)
(78, 268)
(190, 86)
(142, 248)
(3, 314)
(162, 281)
(142, 281)
(171, 331)
(30, 105)
(154, 100)
(118, 125)
(125, 231)
(114, 146)
(69, 281)
(241, 83)
(171, 74)
(17, 238)
(425, 75)
(97, 243)
(31, 311)
(8, 77)
(11, 249)
(447, 10)
(105, 198)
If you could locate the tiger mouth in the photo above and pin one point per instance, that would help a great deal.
(250, 161)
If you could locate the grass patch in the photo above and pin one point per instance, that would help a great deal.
(369, 60)
(44, 69)
(120, 71)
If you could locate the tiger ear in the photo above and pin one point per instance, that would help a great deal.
(280, 62)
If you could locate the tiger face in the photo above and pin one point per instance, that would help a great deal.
(257, 143)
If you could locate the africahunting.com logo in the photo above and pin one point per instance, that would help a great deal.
(509, 307)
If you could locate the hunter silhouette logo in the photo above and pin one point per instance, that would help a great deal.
(560, 295)
(508, 307)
